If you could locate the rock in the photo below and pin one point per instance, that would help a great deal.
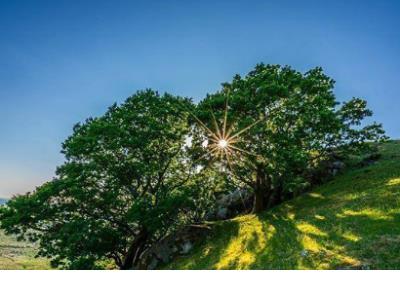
(163, 252)
(210, 216)
(368, 162)
(237, 197)
(224, 201)
(335, 167)
(186, 247)
(178, 243)
(338, 165)
(365, 267)
(229, 205)
(153, 264)
(222, 213)
(304, 253)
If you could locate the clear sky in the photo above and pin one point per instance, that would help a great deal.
(63, 61)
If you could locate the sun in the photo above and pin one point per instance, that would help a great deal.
(222, 143)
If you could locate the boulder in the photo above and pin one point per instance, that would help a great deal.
(234, 198)
(186, 247)
(178, 243)
(338, 165)
(222, 213)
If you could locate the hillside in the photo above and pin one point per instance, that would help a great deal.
(15, 255)
(352, 222)
(18, 255)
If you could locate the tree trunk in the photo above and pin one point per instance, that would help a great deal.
(259, 190)
(135, 250)
(276, 197)
(258, 204)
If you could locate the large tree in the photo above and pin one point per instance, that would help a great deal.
(275, 126)
(129, 178)
(127, 182)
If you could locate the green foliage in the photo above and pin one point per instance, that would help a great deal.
(295, 124)
(352, 222)
(126, 183)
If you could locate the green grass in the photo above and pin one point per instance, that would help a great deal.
(16, 255)
(352, 222)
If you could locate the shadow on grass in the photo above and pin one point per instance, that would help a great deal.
(209, 251)
(352, 222)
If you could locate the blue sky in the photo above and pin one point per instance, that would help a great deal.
(63, 61)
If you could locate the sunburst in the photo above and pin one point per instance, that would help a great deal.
(222, 141)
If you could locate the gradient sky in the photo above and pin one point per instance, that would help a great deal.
(63, 61)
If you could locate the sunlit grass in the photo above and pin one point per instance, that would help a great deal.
(242, 251)
(16, 255)
(394, 182)
(352, 222)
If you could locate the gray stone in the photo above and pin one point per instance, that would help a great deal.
(233, 198)
(338, 165)
(153, 264)
(163, 252)
(186, 247)
(304, 253)
(175, 244)
(222, 213)
(236, 196)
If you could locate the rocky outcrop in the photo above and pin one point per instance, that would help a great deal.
(230, 205)
(176, 244)
(182, 241)
(335, 167)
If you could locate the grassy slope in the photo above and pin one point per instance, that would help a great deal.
(16, 255)
(352, 222)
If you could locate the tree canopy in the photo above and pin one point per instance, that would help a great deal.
(286, 124)
(132, 176)
(126, 183)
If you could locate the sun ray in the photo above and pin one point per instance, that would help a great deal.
(216, 125)
(213, 150)
(221, 144)
(213, 139)
(204, 155)
(227, 155)
(229, 130)
(245, 129)
(242, 150)
(225, 118)
(200, 122)
(205, 127)
(232, 141)
(228, 160)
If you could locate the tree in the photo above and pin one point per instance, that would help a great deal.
(127, 182)
(286, 124)
(130, 178)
